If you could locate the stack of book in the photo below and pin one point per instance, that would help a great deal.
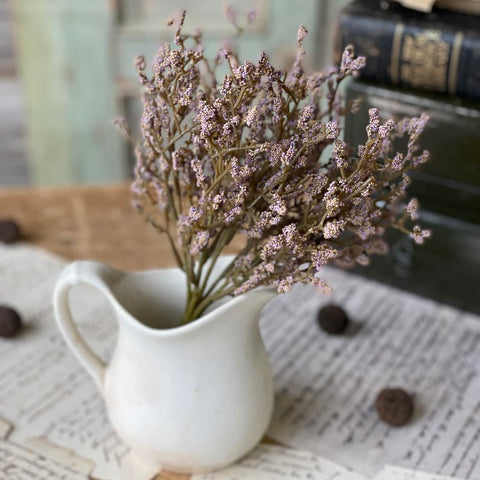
(426, 61)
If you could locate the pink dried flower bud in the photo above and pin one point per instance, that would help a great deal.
(277, 105)
(251, 15)
(421, 159)
(224, 53)
(285, 284)
(233, 214)
(301, 34)
(340, 154)
(412, 208)
(332, 229)
(194, 214)
(323, 255)
(271, 247)
(332, 206)
(177, 38)
(420, 235)
(386, 128)
(347, 58)
(218, 201)
(140, 63)
(269, 267)
(305, 117)
(397, 162)
(197, 167)
(332, 130)
(349, 64)
(244, 260)
(278, 206)
(252, 115)
(365, 231)
(357, 64)
(322, 286)
(374, 123)
(199, 242)
(417, 125)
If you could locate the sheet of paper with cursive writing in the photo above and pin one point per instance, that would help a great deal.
(271, 462)
(20, 463)
(396, 473)
(326, 385)
(44, 392)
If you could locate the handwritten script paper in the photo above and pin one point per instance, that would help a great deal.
(326, 385)
(19, 463)
(269, 462)
(397, 473)
(44, 392)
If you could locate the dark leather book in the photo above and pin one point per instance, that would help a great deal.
(449, 184)
(438, 51)
(447, 266)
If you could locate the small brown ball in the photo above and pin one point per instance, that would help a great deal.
(10, 322)
(332, 319)
(394, 406)
(9, 231)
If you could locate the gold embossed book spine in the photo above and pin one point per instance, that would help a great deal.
(437, 51)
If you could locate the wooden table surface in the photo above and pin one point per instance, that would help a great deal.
(96, 223)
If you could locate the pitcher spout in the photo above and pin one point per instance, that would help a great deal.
(250, 303)
(258, 298)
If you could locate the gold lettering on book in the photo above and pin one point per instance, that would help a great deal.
(424, 60)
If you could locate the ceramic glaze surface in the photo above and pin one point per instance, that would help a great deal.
(189, 398)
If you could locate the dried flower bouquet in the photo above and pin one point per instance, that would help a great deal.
(248, 156)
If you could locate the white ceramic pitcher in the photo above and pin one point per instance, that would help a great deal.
(189, 398)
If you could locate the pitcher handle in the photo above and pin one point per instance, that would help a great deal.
(97, 275)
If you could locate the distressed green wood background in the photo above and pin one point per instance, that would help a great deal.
(66, 66)
(13, 161)
(76, 64)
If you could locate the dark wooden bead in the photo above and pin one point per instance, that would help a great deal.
(394, 406)
(10, 322)
(332, 319)
(9, 231)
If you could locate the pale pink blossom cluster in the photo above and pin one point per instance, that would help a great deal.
(242, 157)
